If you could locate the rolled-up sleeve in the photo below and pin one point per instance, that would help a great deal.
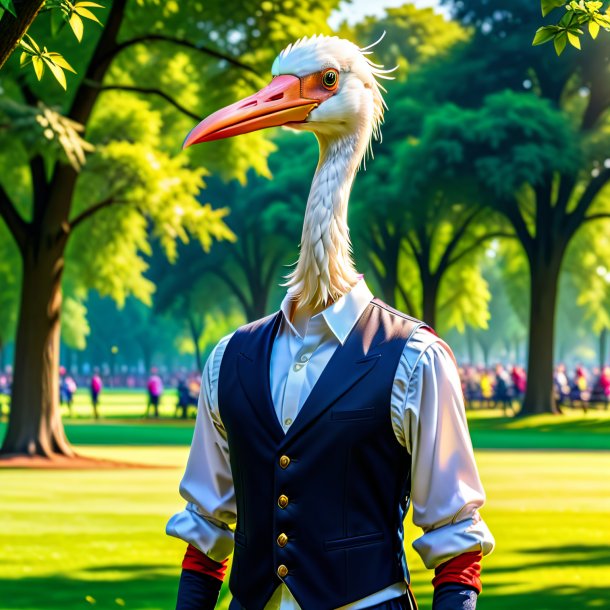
(207, 485)
(429, 420)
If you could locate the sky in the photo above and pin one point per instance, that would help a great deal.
(357, 9)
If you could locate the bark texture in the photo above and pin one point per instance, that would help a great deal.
(12, 30)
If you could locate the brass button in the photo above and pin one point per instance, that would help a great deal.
(282, 540)
(282, 571)
(284, 461)
(282, 501)
(288, 421)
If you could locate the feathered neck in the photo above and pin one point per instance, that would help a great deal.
(325, 270)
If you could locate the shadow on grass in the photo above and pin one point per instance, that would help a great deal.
(150, 589)
(559, 597)
(154, 590)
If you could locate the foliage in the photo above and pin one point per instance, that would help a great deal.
(579, 13)
(63, 12)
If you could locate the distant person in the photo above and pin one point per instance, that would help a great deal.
(604, 380)
(519, 379)
(155, 390)
(67, 388)
(503, 395)
(561, 385)
(95, 388)
(579, 390)
(471, 387)
(183, 397)
(601, 388)
(486, 385)
(5, 391)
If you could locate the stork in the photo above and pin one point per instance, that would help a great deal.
(326, 85)
(303, 416)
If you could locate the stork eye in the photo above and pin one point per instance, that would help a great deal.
(330, 78)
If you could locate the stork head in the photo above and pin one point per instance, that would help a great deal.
(322, 84)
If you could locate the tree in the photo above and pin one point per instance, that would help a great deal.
(17, 18)
(9, 295)
(266, 219)
(420, 235)
(555, 164)
(578, 14)
(588, 268)
(133, 185)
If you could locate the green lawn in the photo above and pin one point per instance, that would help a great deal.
(95, 539)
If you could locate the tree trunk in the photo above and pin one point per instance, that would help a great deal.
(544, 277)
(35, 426)
(12, 30)
(430, 295)
(195, 335)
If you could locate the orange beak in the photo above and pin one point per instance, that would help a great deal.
(279, 103)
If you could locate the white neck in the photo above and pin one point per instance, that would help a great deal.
(325, 269)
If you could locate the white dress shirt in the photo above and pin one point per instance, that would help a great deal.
(428, 419)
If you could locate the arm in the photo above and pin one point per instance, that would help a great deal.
(207, 486)
(446, 492)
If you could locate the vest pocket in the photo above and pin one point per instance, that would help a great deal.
(353, 541)
(344, 414)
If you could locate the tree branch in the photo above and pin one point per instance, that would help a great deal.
(233, 285)
(176, 41)
(407, 299)
(15, 223)
(92, 210)
(599, 216)
(576, 217)
(147, 91)
(454, 241)
(12, 29)
(511, 210)
(476, 244)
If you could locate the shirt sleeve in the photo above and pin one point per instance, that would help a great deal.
(207, 485)
(429, 420)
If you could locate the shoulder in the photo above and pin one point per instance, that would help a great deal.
(252, 327)
(212, 366)
(394, 313)
(419, 334)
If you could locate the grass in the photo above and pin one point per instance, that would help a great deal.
(75, 540)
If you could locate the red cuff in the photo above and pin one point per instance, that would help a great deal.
(197, 561)
(464, 569)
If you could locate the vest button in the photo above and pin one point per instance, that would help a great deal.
(282, 501)
(284, 461)
(282, 540)
(282, 571)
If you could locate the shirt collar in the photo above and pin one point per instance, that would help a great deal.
(341, 316)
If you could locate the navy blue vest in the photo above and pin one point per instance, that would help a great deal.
(322, 506)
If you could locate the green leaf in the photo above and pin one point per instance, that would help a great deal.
(544, 34)
(8, 5)
(566, 20)
(58, 21)
(549, 5)
(593, 6)
(38, 66)
(560, 43)
(30, 44)
(89, 4)
(76, 23)
(593, 29)
(25, 59)
(58, 73)
(58, 59)
(574, 40)
(86, 13)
